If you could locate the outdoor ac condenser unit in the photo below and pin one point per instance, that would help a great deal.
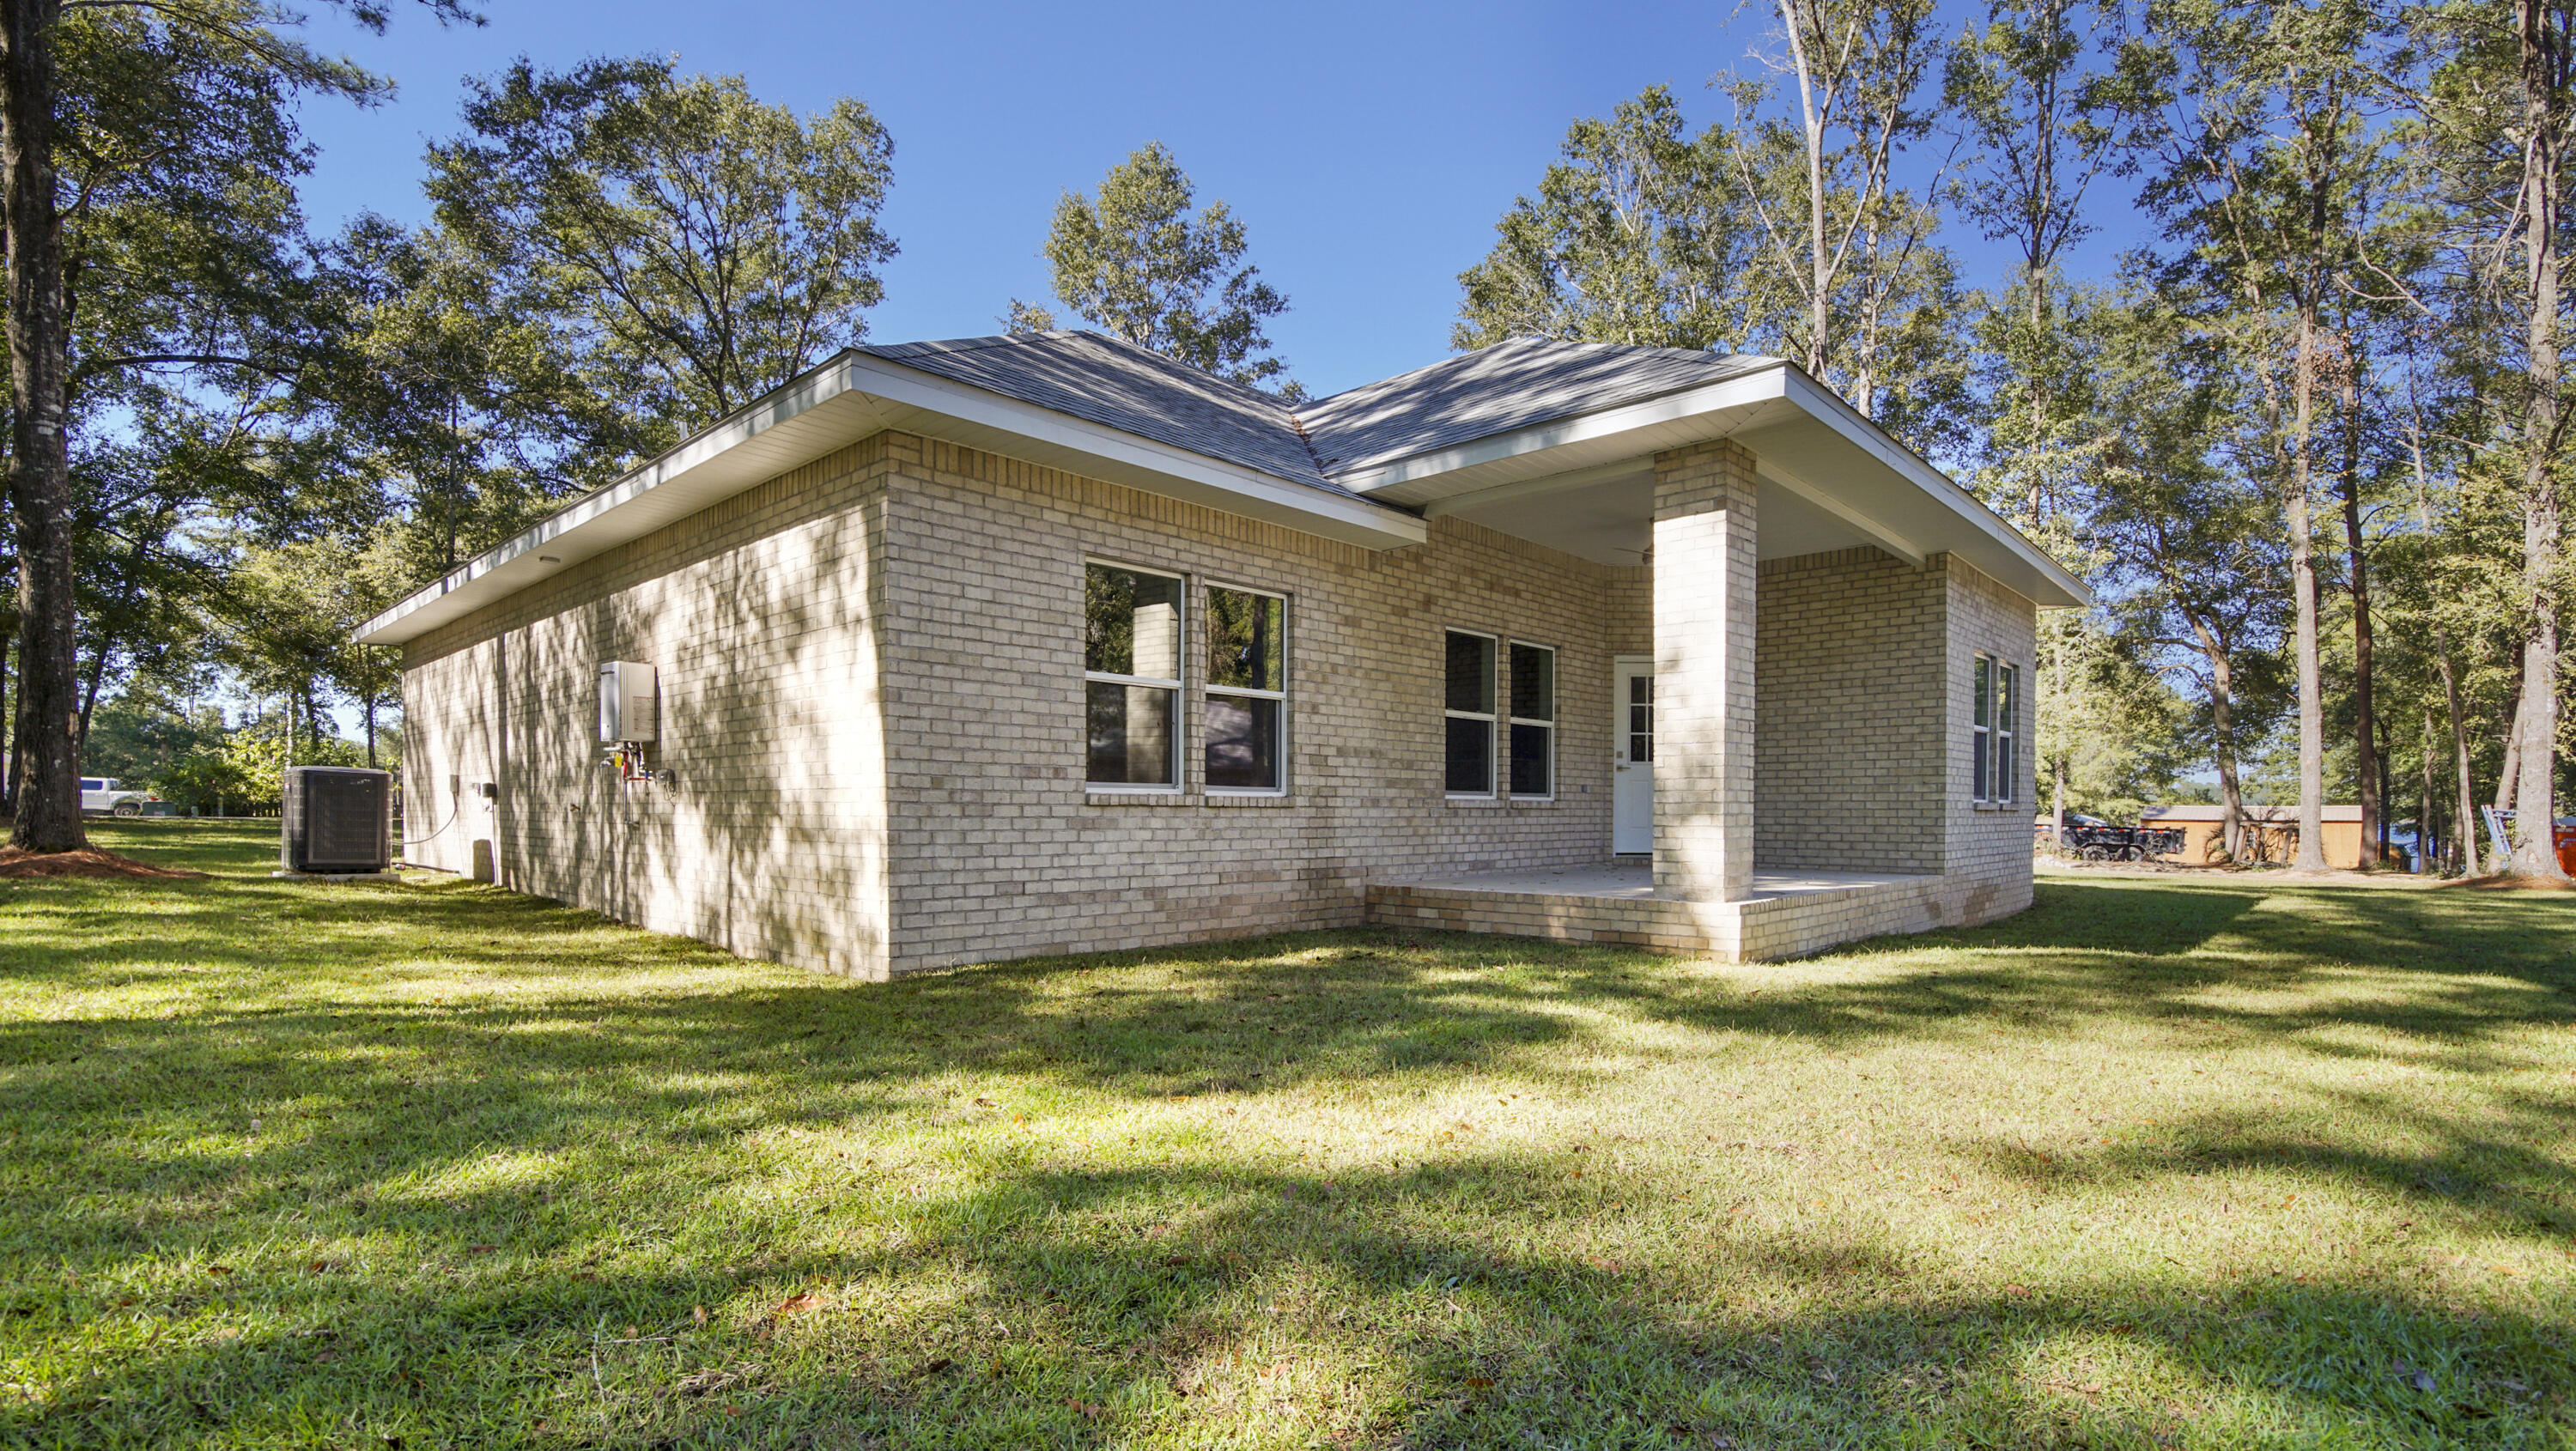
(336, 819)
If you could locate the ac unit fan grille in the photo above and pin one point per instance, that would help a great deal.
(336, 820)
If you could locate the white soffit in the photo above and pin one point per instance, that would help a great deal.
(846, 400)
(1808, 444)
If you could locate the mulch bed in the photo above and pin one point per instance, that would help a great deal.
(88, 862)
(2510, 884)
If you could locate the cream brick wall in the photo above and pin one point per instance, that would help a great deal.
(1850, 715)
(872, 701)
(1704, 594)
(998, 849)
(1989, 846)
(758, 614)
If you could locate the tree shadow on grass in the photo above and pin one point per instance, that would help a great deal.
(1063, 1306)
(514, 1177)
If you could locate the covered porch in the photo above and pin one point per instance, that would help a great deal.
(1797, 614)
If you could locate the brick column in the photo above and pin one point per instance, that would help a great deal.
(1704, 586)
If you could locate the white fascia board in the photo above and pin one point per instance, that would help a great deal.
(588, 525)
(1822, 402)
(1752, 388)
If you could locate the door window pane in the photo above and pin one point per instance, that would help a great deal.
(1641, 717)
(1243, 742)
(1131, 734)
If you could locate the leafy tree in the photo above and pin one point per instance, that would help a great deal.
(143, 157)
(2192, 556)
(1637, 235)
(696, 247)
(1847, 242)
(1140, 263)
(2497, 118)
(456, 400)
(2261, 181)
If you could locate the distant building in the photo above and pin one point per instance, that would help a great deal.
(2202, 827)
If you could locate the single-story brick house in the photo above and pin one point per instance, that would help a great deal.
(965, 651)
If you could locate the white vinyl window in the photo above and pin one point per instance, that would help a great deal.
(2007, 730)
(1468, 701)
(1247, 692)
(1131, 659)
(1981, 733)
(1994, 733)
(1533, 721)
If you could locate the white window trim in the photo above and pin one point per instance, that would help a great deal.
(1981, 733)
(1553, 686)
(2003, 774)
(1180, 773)
(1287, 637)
(1491, 718)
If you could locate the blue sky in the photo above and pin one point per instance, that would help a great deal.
(1367, 147)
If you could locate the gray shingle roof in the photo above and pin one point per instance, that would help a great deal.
(1511, 385)
(1117, 384)
(1494, 390)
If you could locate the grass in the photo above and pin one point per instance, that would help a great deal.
(431, 1165)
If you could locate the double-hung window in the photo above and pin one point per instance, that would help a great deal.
(1981, 733)
(2007, 730)
(1994, 734)
(1131, 659)
(1469, 702)
(1247, 691)
(1533, 720)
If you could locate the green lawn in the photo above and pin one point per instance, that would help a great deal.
(430, 1165)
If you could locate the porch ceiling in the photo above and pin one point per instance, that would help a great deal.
(1608, 516)
(1831, 480)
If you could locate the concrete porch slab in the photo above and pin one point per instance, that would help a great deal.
(1788, 914)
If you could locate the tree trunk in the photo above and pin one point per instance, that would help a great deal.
(2374, 829)
(89, 698)
(2231, 796)
(1793, 14)
(8, 757)
(2535, 851)
(2464, 829)
(2427, 798)
(2222, 725)
(2303, 584)
(48, 818)
(2509, 779)
(2367, 763)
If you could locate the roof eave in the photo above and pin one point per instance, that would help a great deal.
(846, 399)
(1755, 401)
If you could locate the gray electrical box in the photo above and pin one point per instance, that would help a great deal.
(627, 701)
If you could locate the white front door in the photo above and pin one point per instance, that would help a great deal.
(1632, 756)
